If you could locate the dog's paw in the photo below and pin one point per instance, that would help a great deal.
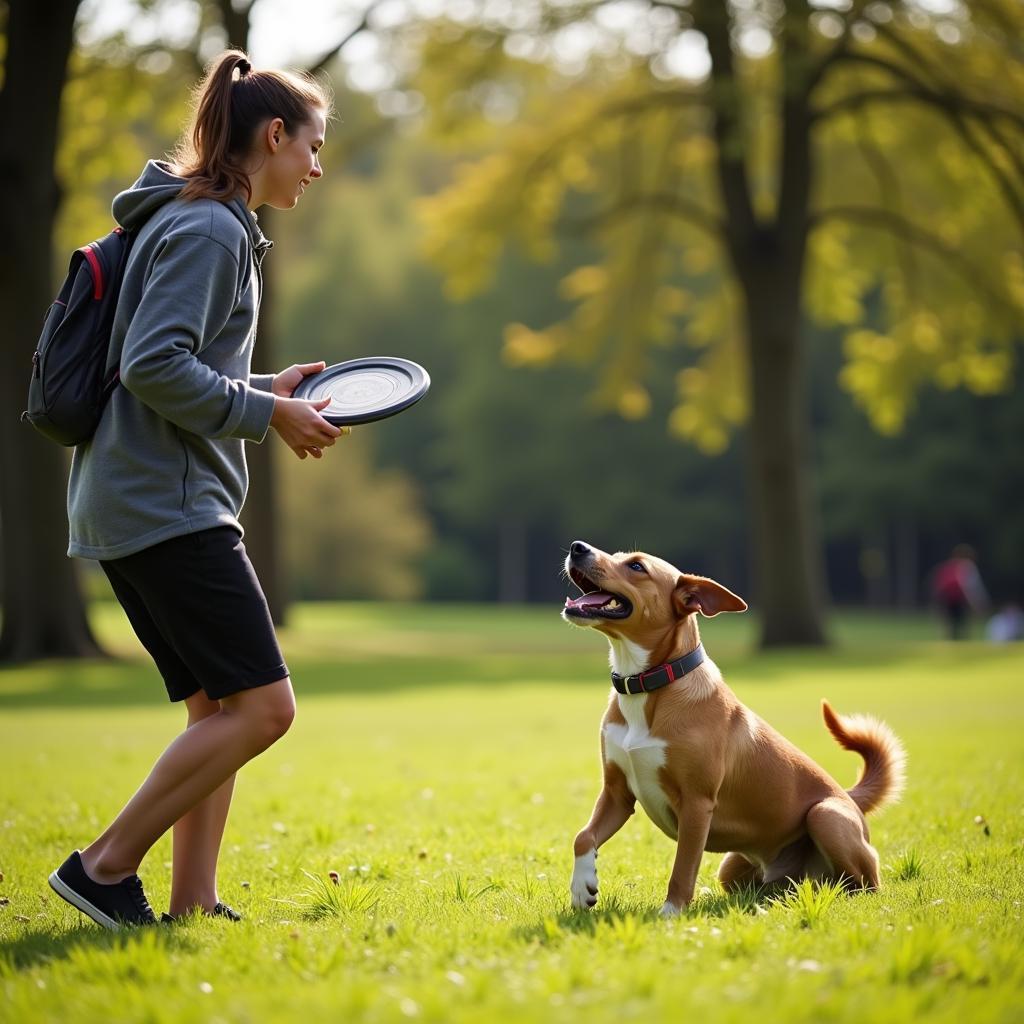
(669, 910)
(583, 887)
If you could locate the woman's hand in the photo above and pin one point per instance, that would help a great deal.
(302, 428)
(287, 381)
(297, 421)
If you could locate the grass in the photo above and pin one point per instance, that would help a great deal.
(441, 763)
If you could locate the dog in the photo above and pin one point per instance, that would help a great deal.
(710, 773)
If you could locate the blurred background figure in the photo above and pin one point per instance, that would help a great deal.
(1007, 624)
(958, 590)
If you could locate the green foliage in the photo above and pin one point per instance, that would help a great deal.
(352, 529)
(916, 161)
(487, 434)
(519, 437)
(115, 116)
(440, 764)
(497, 439)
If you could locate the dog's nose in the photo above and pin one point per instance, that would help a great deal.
(578, 549)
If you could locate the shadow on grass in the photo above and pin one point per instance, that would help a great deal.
(136, 682)
(615, 913)
(371, 650)
(45, 945)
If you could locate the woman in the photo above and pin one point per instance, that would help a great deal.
(155, 495)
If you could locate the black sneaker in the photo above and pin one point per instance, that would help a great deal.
(220, 910)
(113, 906)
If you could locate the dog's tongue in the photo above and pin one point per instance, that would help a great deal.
(589, 600)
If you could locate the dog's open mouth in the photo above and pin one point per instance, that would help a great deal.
(595, 603)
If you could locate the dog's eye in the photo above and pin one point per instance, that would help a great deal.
(637, 566)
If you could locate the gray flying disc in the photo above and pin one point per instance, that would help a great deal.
(364, 390)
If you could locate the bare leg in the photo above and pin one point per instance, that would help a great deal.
(197, 763)
(198, 833)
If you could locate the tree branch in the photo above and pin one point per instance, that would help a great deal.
(618, 109)
(956, 107)
(364, 23)
(1011, 30)
(889, 188)
(235, 22)
(954, 104)
(666, 202)
(943, 86)
(1004, 182)
(842, 44)
(943, 97)
(1000, 140)
(894, 223)
(918, 93)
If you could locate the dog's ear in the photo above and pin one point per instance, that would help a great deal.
(699, 594)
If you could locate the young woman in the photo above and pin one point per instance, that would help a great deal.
(155, 495)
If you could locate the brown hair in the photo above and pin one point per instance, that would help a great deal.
(229, 105)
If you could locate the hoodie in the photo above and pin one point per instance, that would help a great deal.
(168, 456)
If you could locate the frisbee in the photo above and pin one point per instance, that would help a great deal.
(364, 390)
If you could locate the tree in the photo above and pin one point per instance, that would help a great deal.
(43, 613)
(512, 466)
(43, 608)
(744, 167)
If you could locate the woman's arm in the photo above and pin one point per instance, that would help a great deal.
(193, 288)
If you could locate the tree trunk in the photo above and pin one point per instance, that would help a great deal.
(768, 258)
(43, 610)
(788, 575)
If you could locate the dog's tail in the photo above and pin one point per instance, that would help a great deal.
(883, 778)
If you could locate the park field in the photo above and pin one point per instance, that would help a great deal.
(441, 762)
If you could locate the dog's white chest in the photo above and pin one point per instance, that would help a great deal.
(640, 755)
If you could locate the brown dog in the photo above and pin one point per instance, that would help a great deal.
(710, 773)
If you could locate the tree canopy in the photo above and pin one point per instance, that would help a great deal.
(746, 170)
(918, 197)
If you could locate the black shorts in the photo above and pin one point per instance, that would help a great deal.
(195, 603)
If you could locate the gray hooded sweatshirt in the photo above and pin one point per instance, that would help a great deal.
(168, 457)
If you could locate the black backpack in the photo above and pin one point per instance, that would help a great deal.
(71, 376)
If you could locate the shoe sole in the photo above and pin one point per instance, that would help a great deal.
(65, 892)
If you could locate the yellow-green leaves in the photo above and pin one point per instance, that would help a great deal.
(712, 395)
(835, 283)
(884, 370)
(915, 225)
(114, 117)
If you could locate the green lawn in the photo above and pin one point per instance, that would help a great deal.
(442, 761)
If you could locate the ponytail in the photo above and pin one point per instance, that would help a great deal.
(229, 105)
